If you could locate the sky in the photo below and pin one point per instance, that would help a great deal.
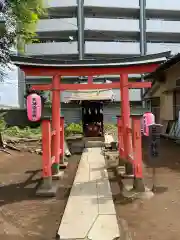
(9, 88)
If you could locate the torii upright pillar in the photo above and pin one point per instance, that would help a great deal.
(125, 115)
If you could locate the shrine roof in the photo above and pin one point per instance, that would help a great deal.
(155, 76)
(158, 76)
(110, 63)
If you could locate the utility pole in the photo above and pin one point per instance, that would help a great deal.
(143, 50)
(80, 23)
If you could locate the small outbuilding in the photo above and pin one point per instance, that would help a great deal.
(164, 96)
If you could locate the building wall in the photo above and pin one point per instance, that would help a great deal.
(111, 28)
(155, 108)
(170, 98)
(73, 113)
(176, 104)
(166, 106)
(112, 110)
(168, 93)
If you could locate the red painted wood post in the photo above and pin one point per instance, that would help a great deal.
(137, 155)
(56, 122)
(119, 135)
(125, 114)
(125, 110)
(62, 140)
(122, 142)
(46, 153)
(120, 138)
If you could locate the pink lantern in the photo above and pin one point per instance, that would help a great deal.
(148, 119)
(34, 107)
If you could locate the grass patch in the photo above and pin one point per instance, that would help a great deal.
(73, 129)
(28, 132)
(110, 127)
(15, 131)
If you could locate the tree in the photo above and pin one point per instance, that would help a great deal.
(21, 17)
(40, 93)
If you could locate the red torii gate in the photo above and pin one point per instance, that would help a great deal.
(123, 67)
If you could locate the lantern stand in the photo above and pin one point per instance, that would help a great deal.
(154, 150)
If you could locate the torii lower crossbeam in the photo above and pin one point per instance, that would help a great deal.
(89, 86)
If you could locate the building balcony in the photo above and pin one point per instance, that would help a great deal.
(159, 26)
(61, 8)
(162, 47)
(112, 48)
(163, 10)
(60, 4)
(159, 30)
(173, 5)
(93, 3)
(112, 25)
(113, 9)
(57, 29)
(97, 49)
(52, 49)
(68, 49)
(56, 25)
(112, 4)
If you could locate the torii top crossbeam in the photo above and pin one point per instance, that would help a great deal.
(49, 67)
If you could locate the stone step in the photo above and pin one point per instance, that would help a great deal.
(93, 144)
(94, 139)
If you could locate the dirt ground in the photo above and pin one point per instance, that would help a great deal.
(22, 214)
(156, 218)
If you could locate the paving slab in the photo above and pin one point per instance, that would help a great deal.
(106, 205)
(90, 212)
(104, 228)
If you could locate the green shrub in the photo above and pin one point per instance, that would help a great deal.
(15, 131)
(110, 127)
(73, 128)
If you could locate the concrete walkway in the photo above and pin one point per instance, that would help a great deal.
(90, 212)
